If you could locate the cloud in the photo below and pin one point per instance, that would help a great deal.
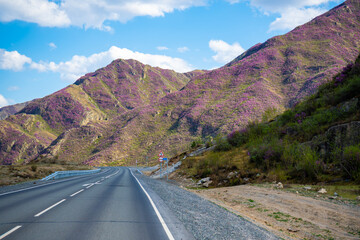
(224, 51)
(79, 65)
(162, 48)
(42, 12)
(294, 17)
(3, 101)
(183, 49)
(12, 60)
(52, 45)
(13, 88)
(88, 13)
(292, 12)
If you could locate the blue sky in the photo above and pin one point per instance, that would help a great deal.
(46, 45)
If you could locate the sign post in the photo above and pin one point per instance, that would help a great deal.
(161, 155)
(167, 168)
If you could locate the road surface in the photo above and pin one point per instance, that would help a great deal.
(109, 205)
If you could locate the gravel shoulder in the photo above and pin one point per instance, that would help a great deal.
(201, 218)
(289, 215)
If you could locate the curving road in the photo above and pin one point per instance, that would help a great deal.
(109, 205)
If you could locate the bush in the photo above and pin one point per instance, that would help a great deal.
(238, 138)
(222, 144)
(351, 162)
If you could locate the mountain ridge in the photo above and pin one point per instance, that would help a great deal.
(113, 120)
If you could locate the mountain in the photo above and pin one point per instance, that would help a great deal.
(318, 140)
(11, 110)
(128, 110)
(95, 97)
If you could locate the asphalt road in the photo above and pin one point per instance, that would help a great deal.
(107, 205)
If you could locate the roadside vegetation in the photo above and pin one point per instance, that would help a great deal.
(14, 174)
(294, 147)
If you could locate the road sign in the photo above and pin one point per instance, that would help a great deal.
(165, 159)
(161, 154)
(160, 159)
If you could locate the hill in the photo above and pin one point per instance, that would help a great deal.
(129, 111)
(318, 140)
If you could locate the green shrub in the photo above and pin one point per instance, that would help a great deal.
(351, 162)
(222, 144)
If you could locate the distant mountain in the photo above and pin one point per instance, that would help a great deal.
(128, 110)
(11, 110)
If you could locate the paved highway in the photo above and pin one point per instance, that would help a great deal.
(109, 205)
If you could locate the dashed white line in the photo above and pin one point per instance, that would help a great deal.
(167, 231)
(42, 212)
(10, 232)
(90, 185)
(76, 193)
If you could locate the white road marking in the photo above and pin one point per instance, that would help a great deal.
(10, 232)
(76, 193)
(90, 185)
(42, 212)
(167, 231)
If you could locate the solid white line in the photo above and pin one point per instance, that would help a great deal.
(10, 232)
(167, 231)
(76, 193)
(49, 208)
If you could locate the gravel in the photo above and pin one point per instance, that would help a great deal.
(201, 218)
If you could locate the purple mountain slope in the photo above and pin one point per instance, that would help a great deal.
(128, 110)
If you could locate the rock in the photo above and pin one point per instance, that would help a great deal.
(297, 192)
(231, 175)
(258, 175)
(279, 185)
(292, 230)
(336, 194)
(307, 188)
(358, 198)
(246, 179)
(203, 180)
(323, 190)
(332, 197)
(206, 184)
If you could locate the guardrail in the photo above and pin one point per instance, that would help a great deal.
(64, 174)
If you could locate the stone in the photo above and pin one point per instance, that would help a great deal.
(246, 179)
(336, 194)
(231, 175)
(322, 190)
(307, 188)
(332, 197)
(203, 180)
(206, 184)
(258, 175)
(292, 230)
(279, 185)
(358, 198)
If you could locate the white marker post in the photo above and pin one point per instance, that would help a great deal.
(161, 155)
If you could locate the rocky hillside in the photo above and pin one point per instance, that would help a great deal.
(128, 110)
(318, 140)
(11, 110)
(95, 97)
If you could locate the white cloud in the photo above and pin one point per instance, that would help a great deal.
(292, 12)
(42, 12)
(3, 101)
(12, 60)
(162, 48)
(13, 88)
(79, 65)
(52, 45)
(294, 17)
(224, 51)
(183, 49)
(88, 13)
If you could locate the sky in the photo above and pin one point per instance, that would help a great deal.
(46, 45)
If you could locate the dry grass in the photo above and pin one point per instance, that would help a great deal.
(15, 174)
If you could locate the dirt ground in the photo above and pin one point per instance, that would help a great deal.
(289, 215)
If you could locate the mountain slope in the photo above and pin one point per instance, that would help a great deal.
(273, 75)
(95, 97)
(128, 110)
